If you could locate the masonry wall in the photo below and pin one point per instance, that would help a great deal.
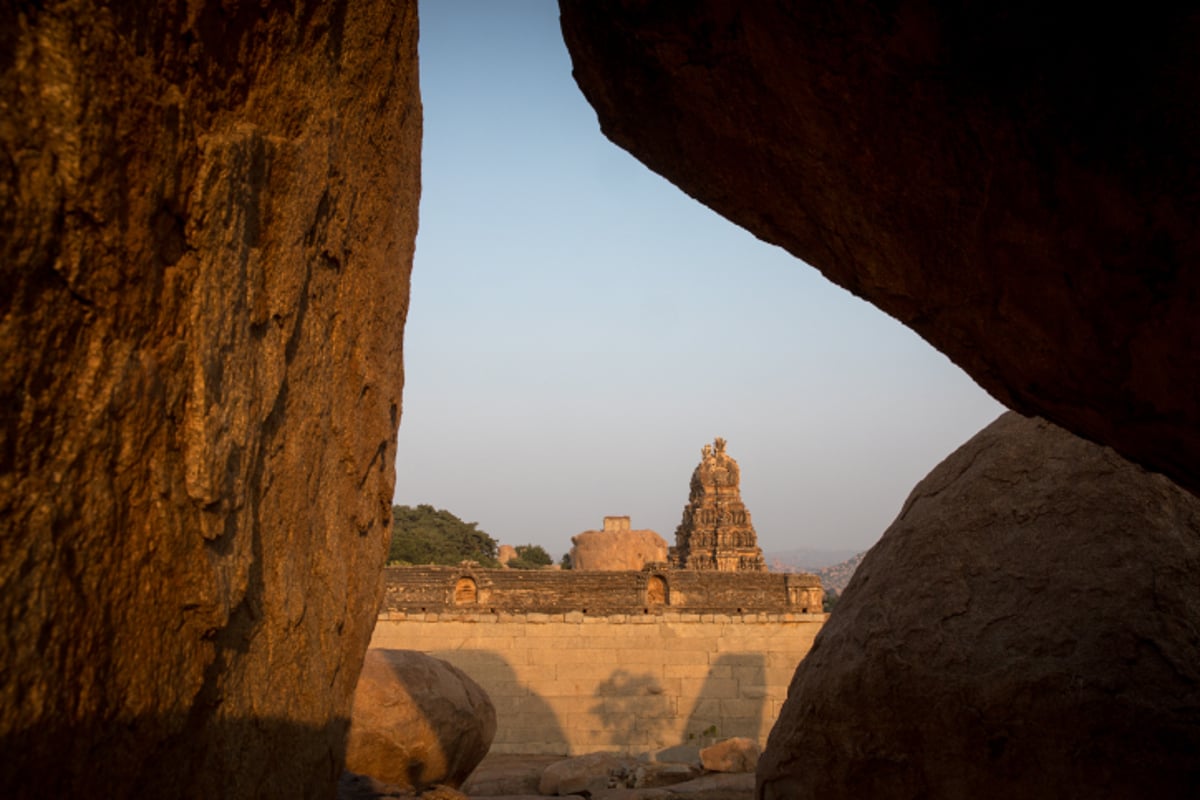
(574, 683)
(431, 589)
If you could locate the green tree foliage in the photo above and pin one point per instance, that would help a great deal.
(566, 561)
(831, 598)
(426, 535)
(530, 556)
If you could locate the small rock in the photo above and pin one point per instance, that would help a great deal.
(738, 754)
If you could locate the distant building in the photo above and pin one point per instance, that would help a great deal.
(716, 532)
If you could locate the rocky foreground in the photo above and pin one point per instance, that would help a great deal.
(724, 771)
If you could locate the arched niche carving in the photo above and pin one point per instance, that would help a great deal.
(466, 591)
(657, 591)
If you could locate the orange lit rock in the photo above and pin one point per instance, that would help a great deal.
(207, 217)
(417, 721)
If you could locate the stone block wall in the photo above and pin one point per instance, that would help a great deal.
(650, 591)
(573, 683)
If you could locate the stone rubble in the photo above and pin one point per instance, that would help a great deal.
(599, 776)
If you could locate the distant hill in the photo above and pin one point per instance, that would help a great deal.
(806, 559)
(836, 576)
(833, 567)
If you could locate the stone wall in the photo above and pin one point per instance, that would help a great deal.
(429, 589)
(574, 683)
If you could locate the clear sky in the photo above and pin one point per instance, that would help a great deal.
(579, 328)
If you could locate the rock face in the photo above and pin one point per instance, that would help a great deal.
(716, 532)
(417, 721)
(738, 754)
(991, 177)
(1030, 622)
(207, 214)
(617, 547)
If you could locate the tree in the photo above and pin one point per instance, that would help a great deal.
(831, 598)
(530, 556)
(566, 562)
(426, 535)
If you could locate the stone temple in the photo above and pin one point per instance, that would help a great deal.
(716, 532)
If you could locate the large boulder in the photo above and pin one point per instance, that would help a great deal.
(207, 215)
(1029, 626)
(418, 721)
(617, 549)
(1015, 182)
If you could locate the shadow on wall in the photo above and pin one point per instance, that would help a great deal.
(522, 715)
(633, 709)
(162, 756)
(731, 701)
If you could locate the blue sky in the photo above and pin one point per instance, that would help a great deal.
(579, 328)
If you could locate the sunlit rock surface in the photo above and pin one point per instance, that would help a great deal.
(1028, 627)
(417, 721)
(207, 214)
(617, 547)
(1018, 184)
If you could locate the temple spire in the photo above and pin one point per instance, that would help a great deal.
(715, 532)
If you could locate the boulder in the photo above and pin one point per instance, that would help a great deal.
(737, 754)
(417, 721)
(617, 550)
(206, 230)
(1029, 626)
(990, 175)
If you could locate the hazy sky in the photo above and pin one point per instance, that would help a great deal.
(579, 328)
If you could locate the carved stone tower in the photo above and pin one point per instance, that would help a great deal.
(716, 532)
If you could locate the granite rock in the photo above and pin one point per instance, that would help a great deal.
(737, 754)
(1029, 626)
(989, 175)
(417, 721)
(207, 216)
(617, 550)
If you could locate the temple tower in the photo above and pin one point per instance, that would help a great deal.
(716, 532)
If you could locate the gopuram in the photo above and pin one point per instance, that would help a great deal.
(716, 532)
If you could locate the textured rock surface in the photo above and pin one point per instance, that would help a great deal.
(738, 754)
(616, 549)
(589, 773)
(991, 176)
(1029, 623)
(506, 774)
(417, 721)
(207, 213)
